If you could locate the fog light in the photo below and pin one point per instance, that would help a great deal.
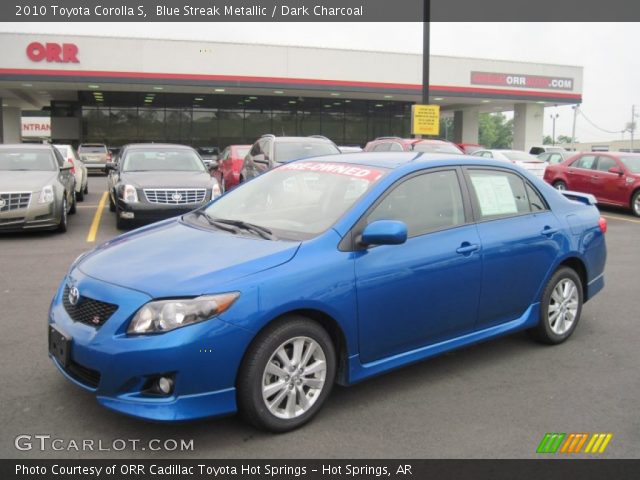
(165, 385)
(128, 215)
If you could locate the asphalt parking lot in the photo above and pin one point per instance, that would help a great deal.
(494, 400)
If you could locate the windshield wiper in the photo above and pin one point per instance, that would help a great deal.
(234, 226)
(263, 232)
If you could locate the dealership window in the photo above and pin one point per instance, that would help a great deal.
(231, 127)
(308, 122)
(204, 128)
(151, 124)
(333, 124)
(95, 124)
(284, 122)
(178, 125)
(256, 123)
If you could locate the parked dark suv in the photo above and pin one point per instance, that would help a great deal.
(270, 151)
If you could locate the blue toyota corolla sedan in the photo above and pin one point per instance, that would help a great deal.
(325, 270)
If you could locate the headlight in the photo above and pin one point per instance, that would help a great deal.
(129, 194)
(46, 195)
(165, 315)
(216, 191)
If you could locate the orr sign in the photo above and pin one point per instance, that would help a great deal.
(521, 81)
(53, 52)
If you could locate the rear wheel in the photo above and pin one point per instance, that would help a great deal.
(635, 203)
(86, 187)
(560, 185)
(72, 210)
(560, 307)
(112, 206)
(62, 226)
(286, 375)
(80, 195)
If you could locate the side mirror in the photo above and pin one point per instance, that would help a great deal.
(66, 166)
(384, 232)
(617, 170)
(111, 166)
(260, 158)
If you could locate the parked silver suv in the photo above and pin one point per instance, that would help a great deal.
(95, 156)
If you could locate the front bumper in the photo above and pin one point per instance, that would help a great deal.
(203, 358)
(35, 216)
(96, 167)
(145, 212)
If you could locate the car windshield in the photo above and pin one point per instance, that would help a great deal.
(297, 201)
(519, 156)
(87, 148)
(288, 151)
(436, 148)
(162, 159)
(632, 163)
(25, 159)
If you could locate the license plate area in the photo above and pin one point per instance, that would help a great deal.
(60, 346)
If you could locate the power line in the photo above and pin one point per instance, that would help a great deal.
(596, 126)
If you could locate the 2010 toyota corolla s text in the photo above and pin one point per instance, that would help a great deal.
(320, 271)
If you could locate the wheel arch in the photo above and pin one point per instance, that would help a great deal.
(331, 326)
(577, 265)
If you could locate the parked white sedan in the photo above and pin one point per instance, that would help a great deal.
(79, 170)
(520, 158)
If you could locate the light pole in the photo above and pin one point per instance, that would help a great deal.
(632, 125)
(554, 116)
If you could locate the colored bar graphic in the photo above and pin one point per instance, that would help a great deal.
(550, 442)
(573, 443)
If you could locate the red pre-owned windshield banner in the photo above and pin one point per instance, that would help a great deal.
(349, 170)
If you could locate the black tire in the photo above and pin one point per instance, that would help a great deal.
(635, 203)
(560, 185)
(223, 185)
(80, 196)
(64, 220)
(86, 188)
(73, 208)
(545, 332)
(112, 206)
(251, 404)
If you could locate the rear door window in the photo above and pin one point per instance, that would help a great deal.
(498, 193)
(586, 161)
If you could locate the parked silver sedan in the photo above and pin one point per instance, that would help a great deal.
(520, 158)
(79, 170)
(37, 188)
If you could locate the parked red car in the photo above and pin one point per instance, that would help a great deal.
(612, 177)
(397, 144)
(229, 165)
(469, 148)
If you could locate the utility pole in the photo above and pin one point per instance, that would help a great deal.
(573, 129)
(426, 18)
(554, 116)
(632, 125)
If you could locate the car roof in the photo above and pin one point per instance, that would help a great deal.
(302, 139)
(394, 160)
(157, 145)
(25, 146)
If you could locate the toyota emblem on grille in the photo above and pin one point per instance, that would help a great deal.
(2, 202)
(176, 197)
(74, 296)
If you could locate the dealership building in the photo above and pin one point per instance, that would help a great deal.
(121, 90)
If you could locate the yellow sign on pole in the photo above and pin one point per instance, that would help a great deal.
(425, 119)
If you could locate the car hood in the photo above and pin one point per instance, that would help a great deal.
(167, 179)
(24, 181)
(171, 259)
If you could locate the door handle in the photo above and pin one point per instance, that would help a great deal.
(548, 231)
(467, 248)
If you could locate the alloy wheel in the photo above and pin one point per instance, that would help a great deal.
(563, 306)
(294, 377)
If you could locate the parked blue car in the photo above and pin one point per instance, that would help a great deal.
(325, 270)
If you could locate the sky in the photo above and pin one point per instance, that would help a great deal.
(607, 51)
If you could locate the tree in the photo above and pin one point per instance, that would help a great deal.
(547, 140)
(495, 131)
(446, 128)
(565, 139)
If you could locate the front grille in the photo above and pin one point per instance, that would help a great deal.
(87, 310)
(175, 196)
(83, 374)
(14, 200)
